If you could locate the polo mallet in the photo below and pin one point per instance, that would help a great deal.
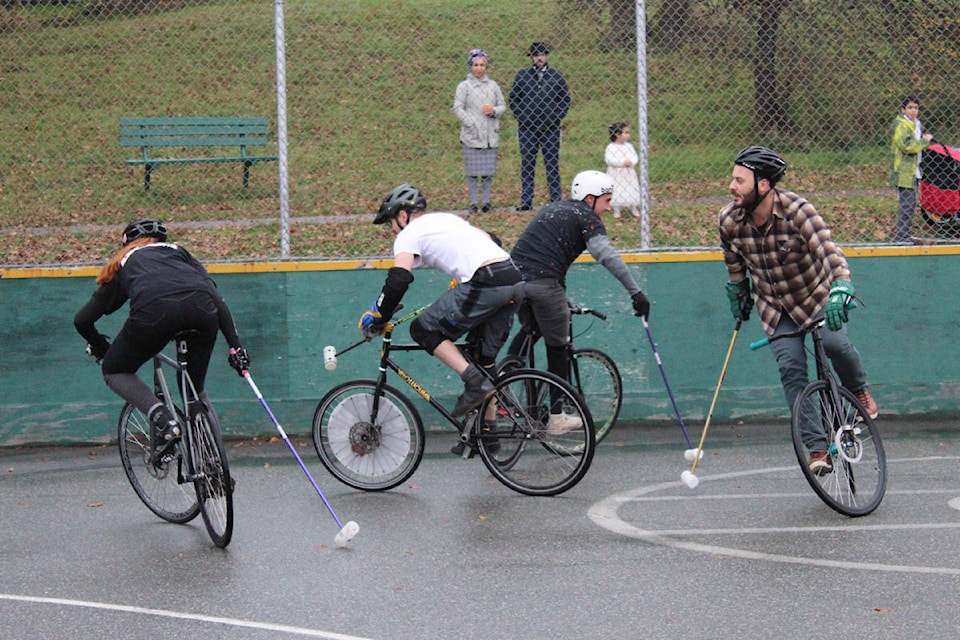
(689, 454)
(687, 477)
(347, 531)
(330, 352)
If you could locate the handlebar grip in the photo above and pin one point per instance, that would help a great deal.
(759, 344)
(602, 316)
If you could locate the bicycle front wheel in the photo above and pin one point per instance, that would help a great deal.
(366, 450)
(595, 375)
(562, 457)
(212, 480)
(158, 486)
(855, 479)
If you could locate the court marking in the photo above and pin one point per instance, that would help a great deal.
(604, 513)
(233, 622)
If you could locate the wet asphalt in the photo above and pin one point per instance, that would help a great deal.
(630, 552)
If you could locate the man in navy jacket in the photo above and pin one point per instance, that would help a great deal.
(539, 100)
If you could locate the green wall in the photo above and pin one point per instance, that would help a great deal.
(906, 332)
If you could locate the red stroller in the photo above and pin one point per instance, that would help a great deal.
(940, 185)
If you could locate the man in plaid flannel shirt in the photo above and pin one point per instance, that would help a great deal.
(776, 240)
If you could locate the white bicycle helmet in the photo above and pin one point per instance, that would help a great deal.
(591, 183)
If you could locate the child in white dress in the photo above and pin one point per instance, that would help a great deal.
(621, 159)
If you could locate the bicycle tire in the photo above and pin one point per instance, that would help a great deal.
(371, 456)
(159, 488)
(856, 484)
(212, 480)
(595, 375)
(562, 460)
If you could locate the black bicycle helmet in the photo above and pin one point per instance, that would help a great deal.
(145, 228)
(764, 162)
(402, 197)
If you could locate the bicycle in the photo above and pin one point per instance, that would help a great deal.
(370, 436)
(828, 414)
(193, 478)
(592, 372)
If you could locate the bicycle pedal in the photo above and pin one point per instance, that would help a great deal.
(463, 450)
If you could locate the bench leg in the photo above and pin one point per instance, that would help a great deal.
(147, 169)
(246, 173)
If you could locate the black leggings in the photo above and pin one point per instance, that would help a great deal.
(148, 331)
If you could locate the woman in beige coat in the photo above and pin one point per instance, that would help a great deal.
(478, 104)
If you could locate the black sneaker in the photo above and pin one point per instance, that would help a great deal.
(486, 208)
(473, 208)
(475, 392)
(525, 206)
(166, 433)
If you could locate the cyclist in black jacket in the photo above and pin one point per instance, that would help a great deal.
(169, 291)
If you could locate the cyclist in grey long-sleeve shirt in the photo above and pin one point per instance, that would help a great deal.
(553, 240)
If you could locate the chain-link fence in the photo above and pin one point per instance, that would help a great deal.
(369, 90)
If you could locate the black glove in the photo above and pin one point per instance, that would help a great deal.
(641, 306)
(239, 360)
(98, 348)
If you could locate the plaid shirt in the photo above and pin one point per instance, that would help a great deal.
(792, 260)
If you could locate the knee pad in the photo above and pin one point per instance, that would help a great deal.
(429, 340)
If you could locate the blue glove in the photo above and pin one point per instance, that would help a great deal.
(372, 323)
(741, 300)
(841, 297)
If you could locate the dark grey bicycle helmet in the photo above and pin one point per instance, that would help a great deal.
(401, 197)
(145, 228)
(764, 162)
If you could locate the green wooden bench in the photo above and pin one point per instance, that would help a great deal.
(152, 133)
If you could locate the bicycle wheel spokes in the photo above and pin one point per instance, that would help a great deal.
(855, 481)
(372, 455)
(212, 481)
(157, 486)
(559, 461)
(596, 377)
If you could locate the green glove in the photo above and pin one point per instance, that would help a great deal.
(741, 301)
(841, 298)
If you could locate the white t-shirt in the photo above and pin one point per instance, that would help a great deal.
(448, 243)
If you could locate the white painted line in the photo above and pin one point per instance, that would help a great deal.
(604, 513)
(233, 622)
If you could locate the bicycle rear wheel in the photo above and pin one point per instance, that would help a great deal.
(595, 375)
(212, 481)
(856, 480)
(523, 397)
(362, 450)
(157, 486)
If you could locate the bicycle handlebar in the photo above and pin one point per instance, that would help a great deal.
(579, 310)
(792, 334)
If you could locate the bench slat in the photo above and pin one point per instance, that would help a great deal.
(169, 130)
(251, 160)
(192, 142)
(190, 121)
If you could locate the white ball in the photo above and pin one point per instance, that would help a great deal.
(691, 454)
(330, 357)
(346, 534)
(689, 479)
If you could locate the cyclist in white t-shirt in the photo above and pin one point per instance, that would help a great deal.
(489, 288)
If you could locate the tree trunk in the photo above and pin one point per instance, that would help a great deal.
(671, 23)
(769, 103)
(623, 22)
